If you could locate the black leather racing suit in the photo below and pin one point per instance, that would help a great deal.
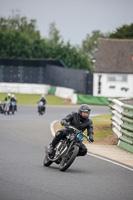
(78, 122)
(44, 103)
(43, 100)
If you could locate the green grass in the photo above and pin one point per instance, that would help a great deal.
(102, 127)
(31, 99)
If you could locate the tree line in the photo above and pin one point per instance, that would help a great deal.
(19, 38)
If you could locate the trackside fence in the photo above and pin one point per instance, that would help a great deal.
(63, 92)
(122, 123)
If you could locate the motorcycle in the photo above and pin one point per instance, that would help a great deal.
(66, 150)
(7, 108)
(12, 108)
(1, 108)
(41, 108)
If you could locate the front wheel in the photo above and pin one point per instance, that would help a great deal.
(13, 110)
(46, 161)
(68, 159)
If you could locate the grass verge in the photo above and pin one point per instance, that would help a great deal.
(31, 99)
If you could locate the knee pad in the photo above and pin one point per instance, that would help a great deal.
(57, 133)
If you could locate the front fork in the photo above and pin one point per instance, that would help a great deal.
(70, 146)
(60, 148)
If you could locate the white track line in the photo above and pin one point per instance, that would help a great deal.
(90, 154)
(52, 127)
(113, 162)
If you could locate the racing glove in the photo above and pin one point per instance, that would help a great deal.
(91, 138)
(64, 123)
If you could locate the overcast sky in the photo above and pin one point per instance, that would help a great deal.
(74, 18)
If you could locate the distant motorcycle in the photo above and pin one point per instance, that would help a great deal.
(66, 150)
(12, 107)
(7, 108)
(1, 108)
(41, 108)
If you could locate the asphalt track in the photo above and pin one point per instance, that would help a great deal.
(23, 176)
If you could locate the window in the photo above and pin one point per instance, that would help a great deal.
(117, 78)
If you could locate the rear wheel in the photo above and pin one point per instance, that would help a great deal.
(68, 159)
(47, 162)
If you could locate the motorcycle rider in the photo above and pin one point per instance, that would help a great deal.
(14, 101)
(8, 98)
(44, 101)
(1, 108)
(79, 120)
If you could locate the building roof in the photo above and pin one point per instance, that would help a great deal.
(114, 56)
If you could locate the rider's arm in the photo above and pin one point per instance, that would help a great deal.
(67, 119)
(45, 101)
(39, 100)
(90, 128)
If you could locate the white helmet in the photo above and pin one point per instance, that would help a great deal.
(43, 95)
(9, 94)
(13, 95)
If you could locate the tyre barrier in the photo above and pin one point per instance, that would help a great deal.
(122, 123)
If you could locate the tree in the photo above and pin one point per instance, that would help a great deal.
(20, 39)
(17, 23)
(54, 34)
(124, 32)
(15, 44)
(89, 45)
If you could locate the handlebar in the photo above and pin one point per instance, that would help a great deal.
(78, 131)
(74, 129)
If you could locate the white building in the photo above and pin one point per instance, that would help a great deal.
(113, 73)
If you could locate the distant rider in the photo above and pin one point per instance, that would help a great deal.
(14, 101)
(44, 101)
(79, 120)
(1, 108)
(8, 98)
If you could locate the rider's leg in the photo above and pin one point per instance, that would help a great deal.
(58, 136)
(82, 150)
